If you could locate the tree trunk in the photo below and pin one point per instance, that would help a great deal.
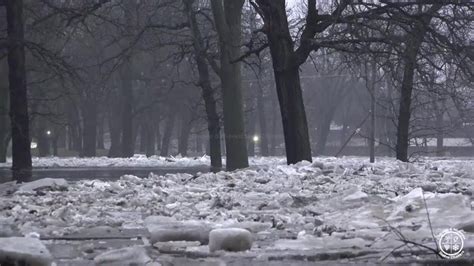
(373, 98)
(227, 17)
(295, 127)
(213, 123)
(404, 113)
(165, 144)
(324, 128)
(273, 140)
(143, 136)
(415, 39)
(43, 140)
(114, 132)
(127, 149)
(439, 130)
(252, 130)
(262, 119)
(127, 97)
(21, 153)
(288, 85)
(4, 107)
(150, 140)
(89, 129)
(100, 133)
(183, 141)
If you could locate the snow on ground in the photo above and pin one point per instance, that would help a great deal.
(330, 204)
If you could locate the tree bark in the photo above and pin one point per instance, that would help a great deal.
(213, 121)
(227, 18)
(286, 71)
(21, 153)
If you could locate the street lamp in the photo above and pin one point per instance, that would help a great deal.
(48, 132)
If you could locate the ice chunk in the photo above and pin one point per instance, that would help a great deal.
(56, 183)
(23, 250)
(230, 239)
(126, 256)
(357, 195)
(179, 231)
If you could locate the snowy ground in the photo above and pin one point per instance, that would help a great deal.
(333, 208)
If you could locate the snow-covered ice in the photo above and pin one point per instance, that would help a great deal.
(331, 204)
(24, 251)
(230, 239)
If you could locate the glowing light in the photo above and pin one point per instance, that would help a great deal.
(34, 145)
(256, 138)
(48, 132)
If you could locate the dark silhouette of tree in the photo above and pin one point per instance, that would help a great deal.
(21, 153)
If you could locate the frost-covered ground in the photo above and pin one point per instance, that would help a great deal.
(332, 208)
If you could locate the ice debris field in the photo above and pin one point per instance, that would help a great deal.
(334, 209)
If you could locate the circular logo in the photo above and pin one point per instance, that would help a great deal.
(451, 243)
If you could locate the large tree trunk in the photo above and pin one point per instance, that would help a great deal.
(21, 153)
(4, 107)
(127, 97)
(287, 79)
(404, 113)
(295, 127)
(213, 123)
(89, 129)
(415, 39)
(227, 17)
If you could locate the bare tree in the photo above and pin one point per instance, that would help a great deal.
(227, 19)
(206, 88)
